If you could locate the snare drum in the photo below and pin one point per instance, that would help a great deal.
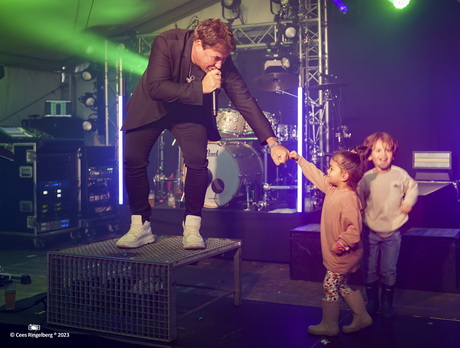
(231, 166)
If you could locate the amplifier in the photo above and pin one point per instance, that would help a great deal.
(429, 260)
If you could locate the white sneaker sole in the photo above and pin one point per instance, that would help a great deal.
(136, 243)
(193, 245)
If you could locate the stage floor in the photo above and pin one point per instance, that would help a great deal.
(275, 311)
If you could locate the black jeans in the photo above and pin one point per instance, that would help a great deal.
(192, 139)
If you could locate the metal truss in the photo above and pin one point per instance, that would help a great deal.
(311, 47)
(314, 27)
(248, 36)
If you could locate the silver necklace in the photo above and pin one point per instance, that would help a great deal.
(190, 77)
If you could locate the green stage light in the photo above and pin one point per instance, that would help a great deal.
(52, 24)
(399, 4)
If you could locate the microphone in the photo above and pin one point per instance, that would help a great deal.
(214, 103)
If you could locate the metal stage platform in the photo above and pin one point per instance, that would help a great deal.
(130, 292)
(265, 235)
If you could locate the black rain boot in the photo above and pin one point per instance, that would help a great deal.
(387, 301)
(372, 291)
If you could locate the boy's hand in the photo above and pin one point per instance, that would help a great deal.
(405, 208)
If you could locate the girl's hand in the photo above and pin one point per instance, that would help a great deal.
(336, 250)
(294, 155)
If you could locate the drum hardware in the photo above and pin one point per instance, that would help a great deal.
(286, 132)
(162, 182)
(327, 86)
(287, 93)
(269, 116)
(228, 139)
(341, 134)
(274, 82)
(268, 187)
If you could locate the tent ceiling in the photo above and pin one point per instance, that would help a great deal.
(39, 34)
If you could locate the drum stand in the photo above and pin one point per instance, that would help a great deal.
(159, 180)
(264, 203)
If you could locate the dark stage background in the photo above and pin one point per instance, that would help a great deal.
(402, 74)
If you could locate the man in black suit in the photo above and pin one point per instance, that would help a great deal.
(176, 93)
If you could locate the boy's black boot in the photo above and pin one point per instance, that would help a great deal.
(387, 301)
(372, 292)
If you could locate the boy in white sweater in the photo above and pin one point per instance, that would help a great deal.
(388, 194)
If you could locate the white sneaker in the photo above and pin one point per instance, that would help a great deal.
(139, 234)
(192, 238)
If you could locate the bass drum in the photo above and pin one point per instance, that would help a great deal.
(230, 168)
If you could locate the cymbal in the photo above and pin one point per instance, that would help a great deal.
(327, 86)
(273, 82)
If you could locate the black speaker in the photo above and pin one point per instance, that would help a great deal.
(429, 260)
(437, 206)
(306, 262)
(58, 127)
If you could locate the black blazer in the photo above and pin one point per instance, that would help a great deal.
(163, 89)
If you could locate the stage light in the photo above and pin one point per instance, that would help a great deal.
(341, 6)
(289, 63)
(231, 4)
(85, 71)
(284, 2)
(89, 100)
(287, 32)
(400, 4)
(286, 62)
(90, 125)
(300, 144)
(290, 31)
(87, 75)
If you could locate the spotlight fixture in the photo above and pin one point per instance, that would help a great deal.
(341, 6)
(232, 5)
(89, 100)
(90, 125)
(283, 2)
(400, 4)
(87, 75)
(290, 31)
(290, 63)
(286, 32)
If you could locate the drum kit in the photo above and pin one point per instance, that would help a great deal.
(237, 171)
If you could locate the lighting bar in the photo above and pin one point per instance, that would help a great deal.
(341, 6)
(300, 142)
(120, 151)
